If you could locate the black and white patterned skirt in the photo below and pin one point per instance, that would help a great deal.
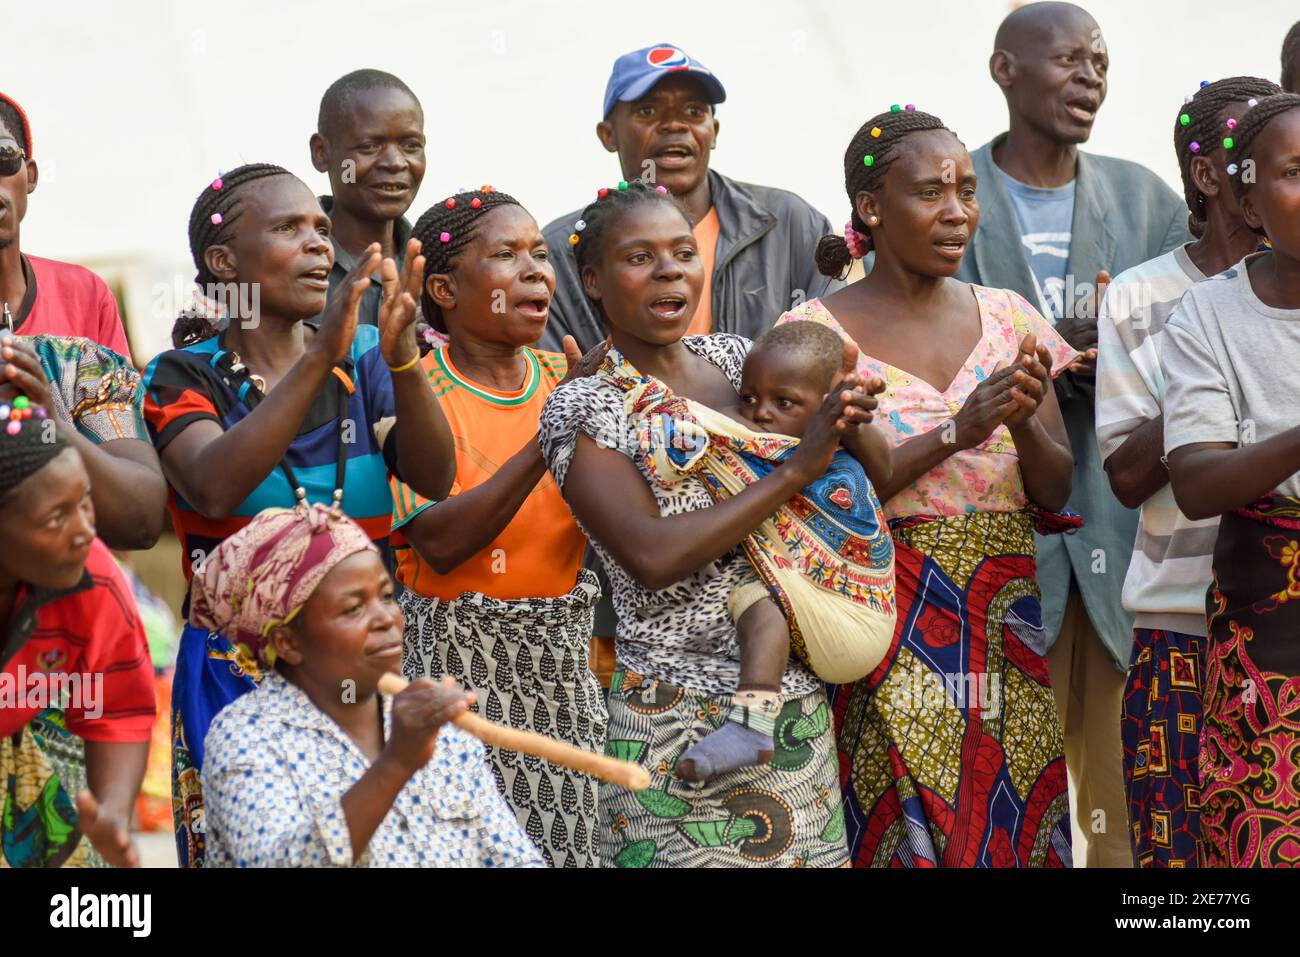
(527, 662)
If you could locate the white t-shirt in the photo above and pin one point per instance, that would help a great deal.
(1230, 365)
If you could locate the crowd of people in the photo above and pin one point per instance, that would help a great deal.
(894, 529)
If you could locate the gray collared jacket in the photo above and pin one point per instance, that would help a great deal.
(1123, 215)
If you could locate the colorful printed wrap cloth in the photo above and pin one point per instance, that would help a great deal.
(42, 767)
(1250, 736)
(825, 556)
(951, 751)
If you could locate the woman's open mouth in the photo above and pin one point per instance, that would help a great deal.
(534, 308)
(669, 307)
(951, 248)
(318, 278)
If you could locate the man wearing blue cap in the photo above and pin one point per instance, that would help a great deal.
(756, 242)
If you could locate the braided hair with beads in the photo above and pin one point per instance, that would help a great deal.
(871, 152)
(593, 223)
(212, 223)
(1203, 121)
(1249, 127)
(26, 445)
(444, 231)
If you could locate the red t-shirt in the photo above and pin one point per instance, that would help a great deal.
(88, 640)
(69, 301)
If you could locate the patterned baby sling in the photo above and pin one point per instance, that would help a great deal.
(825, 556)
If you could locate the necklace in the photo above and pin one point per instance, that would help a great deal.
(237, 368)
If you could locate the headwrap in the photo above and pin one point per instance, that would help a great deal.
(28, 441)
(22, 115)
(262, 575)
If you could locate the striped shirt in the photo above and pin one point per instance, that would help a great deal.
(184, 386)
(1170, 569)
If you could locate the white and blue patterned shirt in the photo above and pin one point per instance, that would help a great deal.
(275, 771)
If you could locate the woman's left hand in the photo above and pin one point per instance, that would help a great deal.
(400, 307)
(1036, 362)
(107, 833)
(580, 365)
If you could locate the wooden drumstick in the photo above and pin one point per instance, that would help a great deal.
(629, 775)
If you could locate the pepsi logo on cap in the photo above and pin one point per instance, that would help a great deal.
(668, 58)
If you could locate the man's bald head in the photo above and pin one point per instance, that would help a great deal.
(1051, 62)
(1036, 24)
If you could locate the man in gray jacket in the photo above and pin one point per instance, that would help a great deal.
(1055, 222)
(757, 243)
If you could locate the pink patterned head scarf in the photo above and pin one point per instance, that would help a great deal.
(262, 575)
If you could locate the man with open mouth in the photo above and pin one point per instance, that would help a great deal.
(1055, 222)
(757, 243)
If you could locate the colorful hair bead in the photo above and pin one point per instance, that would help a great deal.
(1232, 169)
(911, 107)
(580, 225)
(475, 203)
(1204, 84)
(13, 428)
(444, 237)
(1227, 142)
(661, 190)
(622, 184)
(1194, 146)
(875, 132)
(868, 160)
(22, 402)
(4, 412)
(1232, 123)
(602, 193)
(895, 108)
(485, 188)
(1252, 103)
(451, 203)
(216, 219)
(573, 239)
(1184, 119)
(40, 412)
(1187, 99)
(217, 183)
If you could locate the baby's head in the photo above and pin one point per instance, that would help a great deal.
(787, 374)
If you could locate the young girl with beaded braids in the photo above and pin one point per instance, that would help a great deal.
(1233, 447)
(1170, 571)
(980, 458)
(272, 411)
(674, 561)
(495, 593)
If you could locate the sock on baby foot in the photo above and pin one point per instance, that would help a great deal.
(744, 740)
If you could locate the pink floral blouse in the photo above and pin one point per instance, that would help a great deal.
(987, 477)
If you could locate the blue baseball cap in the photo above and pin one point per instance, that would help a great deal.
(635, 73)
